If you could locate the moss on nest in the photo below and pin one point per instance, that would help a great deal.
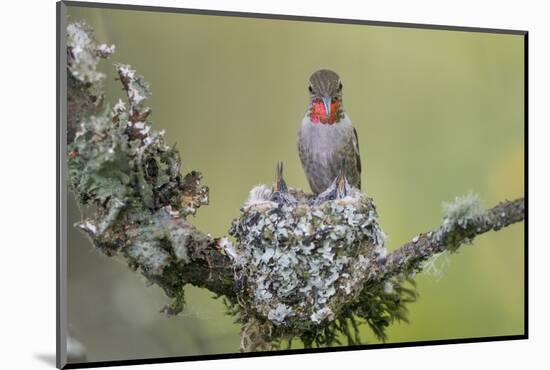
(305, 260)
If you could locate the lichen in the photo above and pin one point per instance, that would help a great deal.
(137, 89)
(436, 264)
(121, 168)
(304, 260)
(463, 210)
(84, 80)
(83, 53)
(458, 218)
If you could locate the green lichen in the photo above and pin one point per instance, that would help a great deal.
(84, 80)
(121, 168)
(300, 259)
(308, 265)
(459, 217)
(84, 53)
(463, 210)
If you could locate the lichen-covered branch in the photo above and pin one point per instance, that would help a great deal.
(122, 169)
(298, 266)
(458, 228)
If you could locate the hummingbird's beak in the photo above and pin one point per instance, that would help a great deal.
(280, 184)
(326, 102)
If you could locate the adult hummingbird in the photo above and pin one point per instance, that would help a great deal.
(327, 141)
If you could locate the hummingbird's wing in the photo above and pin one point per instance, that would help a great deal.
(355, 141)
(356, 148)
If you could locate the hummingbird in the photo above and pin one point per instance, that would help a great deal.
(280, 193)
(327, 141)
(338, 189)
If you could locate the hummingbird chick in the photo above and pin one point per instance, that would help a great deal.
(338, 189)
(280, 192)
(327, 141)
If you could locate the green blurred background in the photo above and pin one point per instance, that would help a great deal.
(438, 113)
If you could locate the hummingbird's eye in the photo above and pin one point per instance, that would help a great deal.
(310, 89)
(340, 87)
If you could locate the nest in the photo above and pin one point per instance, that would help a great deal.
(305, 256)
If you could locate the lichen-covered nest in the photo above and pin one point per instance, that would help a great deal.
(305, 258)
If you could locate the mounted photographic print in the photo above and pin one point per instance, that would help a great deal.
(235, 184)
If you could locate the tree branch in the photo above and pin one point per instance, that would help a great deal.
(131, 179)
(449, 237)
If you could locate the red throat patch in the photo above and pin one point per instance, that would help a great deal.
(317, 114)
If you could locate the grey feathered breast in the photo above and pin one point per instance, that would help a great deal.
(323, 149)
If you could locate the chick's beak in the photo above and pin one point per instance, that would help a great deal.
(326, 102)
